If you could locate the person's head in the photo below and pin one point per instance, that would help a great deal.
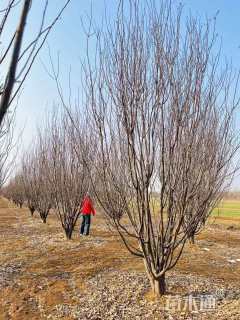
(88, 195)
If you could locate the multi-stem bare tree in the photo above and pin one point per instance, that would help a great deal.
(162, 108)
(30, 182)
(40, 175)
(14, 191)
(68, 176)
(16, 55)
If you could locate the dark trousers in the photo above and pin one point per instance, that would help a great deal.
(86, 222)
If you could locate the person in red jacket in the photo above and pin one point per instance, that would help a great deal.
(87, 210)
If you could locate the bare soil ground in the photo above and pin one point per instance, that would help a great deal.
(44, 276)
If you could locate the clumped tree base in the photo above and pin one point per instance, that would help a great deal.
(32, 210)
(68, 233)
(192, 239)
(43, 216)
(158, 286)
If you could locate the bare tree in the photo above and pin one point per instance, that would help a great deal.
(14, 190)
(40, 177)
(30, 183)
(33, 178)
(68, 176)
(163, 113)
(16, 59)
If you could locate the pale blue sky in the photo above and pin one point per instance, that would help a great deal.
(69, 39)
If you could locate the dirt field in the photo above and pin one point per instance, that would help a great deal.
(44, 276)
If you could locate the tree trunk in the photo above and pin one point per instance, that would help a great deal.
(31, 210)
(10, 78)
(43, 217)
(192, 239)
(68, 233)
(159, 286)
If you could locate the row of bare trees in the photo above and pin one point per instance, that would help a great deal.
(53, 175)
(15, 191)
(154, 140)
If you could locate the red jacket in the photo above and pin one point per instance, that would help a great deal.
(87, 207)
